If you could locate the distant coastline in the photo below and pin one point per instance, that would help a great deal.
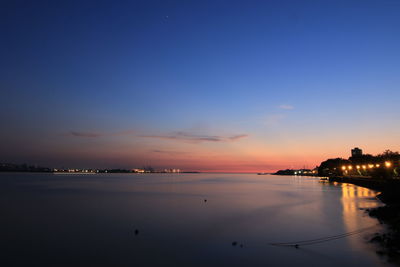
(299, 172)
(12, 167)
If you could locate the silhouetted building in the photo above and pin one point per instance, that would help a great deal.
(356, 152)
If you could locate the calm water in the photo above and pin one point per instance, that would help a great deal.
(89, 220)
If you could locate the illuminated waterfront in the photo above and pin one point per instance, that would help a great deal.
(182, 219)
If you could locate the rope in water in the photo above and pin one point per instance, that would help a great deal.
(322, 239)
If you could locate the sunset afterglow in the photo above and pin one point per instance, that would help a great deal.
(252, 88)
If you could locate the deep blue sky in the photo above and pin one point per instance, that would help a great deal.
(106, 83)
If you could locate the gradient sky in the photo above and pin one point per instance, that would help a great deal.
(197, 85)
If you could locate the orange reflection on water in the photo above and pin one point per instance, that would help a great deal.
(355, 197)
(355, 200)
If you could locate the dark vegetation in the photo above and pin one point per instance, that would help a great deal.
(381, 166)
(285, 172)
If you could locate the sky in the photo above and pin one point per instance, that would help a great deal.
(237, 86)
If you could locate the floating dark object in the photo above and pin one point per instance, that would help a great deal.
(205, 200)
(296, 246)
(234, 243)
(136, 232)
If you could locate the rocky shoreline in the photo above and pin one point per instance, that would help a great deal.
(389, 215)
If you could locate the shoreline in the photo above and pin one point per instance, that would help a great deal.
(388, 215)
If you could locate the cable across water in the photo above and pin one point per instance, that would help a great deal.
(322, 239)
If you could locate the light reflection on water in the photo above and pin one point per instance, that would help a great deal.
(90, 220)
(354, 199)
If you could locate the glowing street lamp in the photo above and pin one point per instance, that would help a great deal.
(377, 165)
(343, 167)
(388, 164)
(358, 167)
(350, 167)
(370, 166)
(364, 167)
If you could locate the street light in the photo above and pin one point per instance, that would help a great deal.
(343, 167)
(388, 164)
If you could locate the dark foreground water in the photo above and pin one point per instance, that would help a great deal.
(89, 220)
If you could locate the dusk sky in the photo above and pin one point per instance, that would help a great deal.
(241, 86)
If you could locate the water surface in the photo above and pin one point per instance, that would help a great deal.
(89, 220)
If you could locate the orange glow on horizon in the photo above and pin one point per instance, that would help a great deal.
(247, 155)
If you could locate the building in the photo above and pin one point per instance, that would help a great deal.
(356, 152)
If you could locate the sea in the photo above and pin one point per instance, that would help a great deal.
(194, 219)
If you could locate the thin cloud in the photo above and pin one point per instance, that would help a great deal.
(168, 152)
(195, 138)
(126, 132)
(237, 137)
(99, 134)
(286, 107)
(85, 134)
